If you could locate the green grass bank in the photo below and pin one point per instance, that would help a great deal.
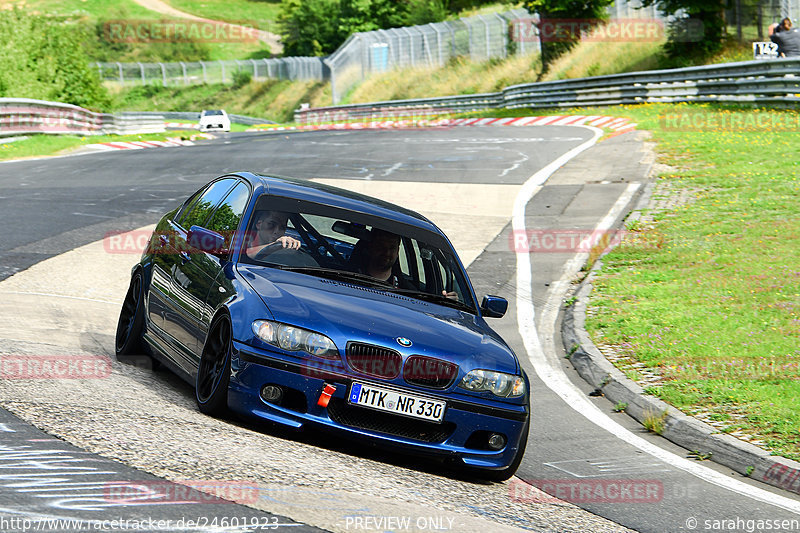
(704, 297)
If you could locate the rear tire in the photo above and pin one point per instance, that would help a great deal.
(129, 346)
(214, 371)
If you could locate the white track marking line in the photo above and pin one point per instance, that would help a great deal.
(555, 378)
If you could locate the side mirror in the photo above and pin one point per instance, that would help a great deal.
(206, 240)
(494, 306)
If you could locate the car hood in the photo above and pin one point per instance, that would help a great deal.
(350, 312)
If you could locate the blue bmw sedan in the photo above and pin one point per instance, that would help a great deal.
(306, 305)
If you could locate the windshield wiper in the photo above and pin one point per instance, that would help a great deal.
(437, 298)
(342, 275)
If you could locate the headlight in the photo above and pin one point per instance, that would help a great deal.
(265, 331)
(321, 346)
(294, 339)
(498, 383)
(291, 338)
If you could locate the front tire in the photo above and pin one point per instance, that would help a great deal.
(128, 339)
(214, 371)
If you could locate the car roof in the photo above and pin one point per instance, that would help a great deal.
(306, 190)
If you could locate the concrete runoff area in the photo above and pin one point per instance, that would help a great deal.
(131, 410)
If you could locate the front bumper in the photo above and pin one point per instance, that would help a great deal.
(458, 436)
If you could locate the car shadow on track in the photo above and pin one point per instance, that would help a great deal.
(173, 390)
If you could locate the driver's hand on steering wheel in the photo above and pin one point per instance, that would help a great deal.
(287, 242)
(452, 295)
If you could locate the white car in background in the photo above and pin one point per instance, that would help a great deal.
(214, 119)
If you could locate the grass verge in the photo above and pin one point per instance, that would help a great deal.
(707, 294)
(274, 100)
(44, 145)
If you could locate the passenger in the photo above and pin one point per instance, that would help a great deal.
(382, 250)
(270, 229)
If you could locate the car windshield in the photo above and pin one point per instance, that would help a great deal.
(353, 247)
(212, 112)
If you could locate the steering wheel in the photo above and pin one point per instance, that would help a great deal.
(267, 250)
(286, 256)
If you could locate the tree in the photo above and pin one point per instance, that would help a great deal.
(309, 27)
(564, 20)
(319, 27)
(699, 32)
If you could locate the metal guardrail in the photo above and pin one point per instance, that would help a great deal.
(194, 116)
(773, 83)
(22, 116)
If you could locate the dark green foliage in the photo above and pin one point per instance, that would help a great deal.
(44, 58)
(590, 11)
(319, 27)
(425, 11)
(700, 34)
(241, 78)
(309, 27)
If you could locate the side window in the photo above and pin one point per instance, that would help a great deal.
(227, 216)
(198, 213)
(186, 207)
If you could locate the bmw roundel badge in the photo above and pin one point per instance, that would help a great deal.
(402, 341)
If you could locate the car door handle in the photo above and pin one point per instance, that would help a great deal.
(185, 257)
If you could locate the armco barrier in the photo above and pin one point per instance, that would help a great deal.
(774, 83)
(194, 116)
(22, 116)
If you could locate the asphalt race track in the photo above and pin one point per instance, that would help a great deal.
(57, 217)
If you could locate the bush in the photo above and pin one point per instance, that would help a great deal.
(43, 58)
(241, 78)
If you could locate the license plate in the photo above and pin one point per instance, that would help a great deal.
(397, 402)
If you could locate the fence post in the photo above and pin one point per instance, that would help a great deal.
(255, 68)
(203, 65)
(503, 33)
(163, 75)
(438, 43)
(410, 46)
(334, 91)
(141, 71)
(121, 76)
(471, 46)
(185, 77)
(488, 36)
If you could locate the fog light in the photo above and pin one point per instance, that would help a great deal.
(496, 441)
(271, 393)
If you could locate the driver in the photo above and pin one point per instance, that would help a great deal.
(270, 227)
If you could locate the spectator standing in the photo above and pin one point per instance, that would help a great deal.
(787, 38)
